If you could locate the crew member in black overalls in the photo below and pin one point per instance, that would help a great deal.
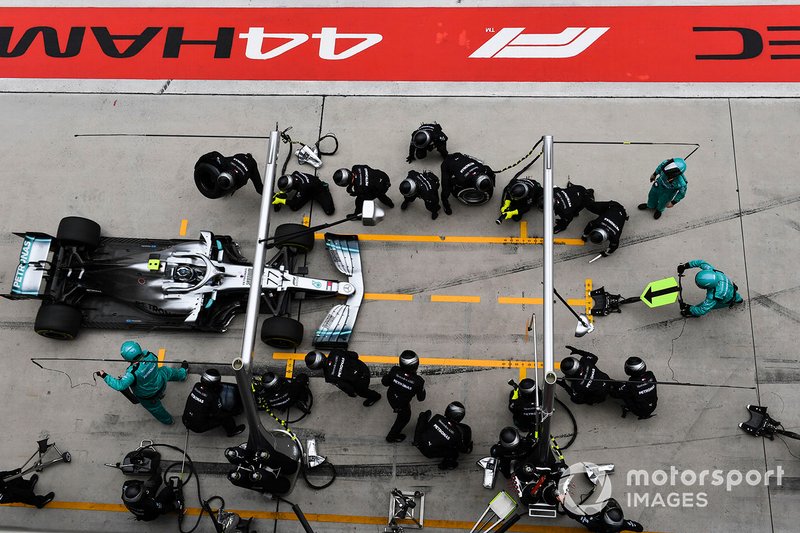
(364, 183)
(639, 394)
(607, 226)
(140, 498)
(204, 407)
(216, 175)
(404, 384)
(511, 448)
(610, 519)
(299, 188)
(522, 404)
(586, 383)
(277, 392)
(568, 203)
(443, 436)
(20, 490)
(346, 371)
(466, 178)
(425, 139)
(519, 197)
(423, 185)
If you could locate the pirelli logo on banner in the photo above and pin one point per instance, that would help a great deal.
(547, 44)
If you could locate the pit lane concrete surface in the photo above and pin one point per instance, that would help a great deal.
(126, 161)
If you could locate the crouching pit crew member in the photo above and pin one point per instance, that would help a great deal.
(204, 407)
(519, 197)
(607, 226)
(468, 179)
(141, 500)
(568, 203)
(299, 188)
(20, 490)
(511, 448)
(425, 139)
(364, 183)
(522, 404)
(610, 519)
(423, 185)
(277, 392)
(443, 436)
(343, 369)
(639, 394)
(585, 383)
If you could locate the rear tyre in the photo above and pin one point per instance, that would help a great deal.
(282, 332)
(58, 321)
(79, 231)
(289, 236)
(205, 178)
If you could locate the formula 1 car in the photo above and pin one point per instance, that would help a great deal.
(85, 279)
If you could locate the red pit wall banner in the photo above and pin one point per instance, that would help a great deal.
(546, 44)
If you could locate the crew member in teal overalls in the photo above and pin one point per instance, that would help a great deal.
(669, 186)
(721, 291)
(149, 381)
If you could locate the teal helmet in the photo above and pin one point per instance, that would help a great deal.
(706, 279)
(130, 350)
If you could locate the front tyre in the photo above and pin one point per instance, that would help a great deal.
(294, 236)
(282, 332)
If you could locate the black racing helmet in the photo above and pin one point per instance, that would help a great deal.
(132, 491)
(613, 517)
(598, 235)
(315, 359)
(527, 387)
(570, 366)
(509, 437)
(519, 190)
(455, 411)
(211, 375)
(285, 182)
(483, 183)
(421, 139)
(635, 366)
(408, 187)
(269, 380)
(342, 177)
(409, 360)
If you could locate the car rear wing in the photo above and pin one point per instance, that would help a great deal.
(335, 330)
(30, 276)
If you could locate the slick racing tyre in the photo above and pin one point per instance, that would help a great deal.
(205, 178)
(473, 196)
(282, 332)
(79, 231)
(290, 236)
(58, 321)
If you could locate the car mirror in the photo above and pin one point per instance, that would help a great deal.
(371, 214)
(584, 326)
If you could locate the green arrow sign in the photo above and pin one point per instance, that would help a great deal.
(661, 292)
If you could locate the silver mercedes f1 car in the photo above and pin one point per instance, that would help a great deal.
(88, 280)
